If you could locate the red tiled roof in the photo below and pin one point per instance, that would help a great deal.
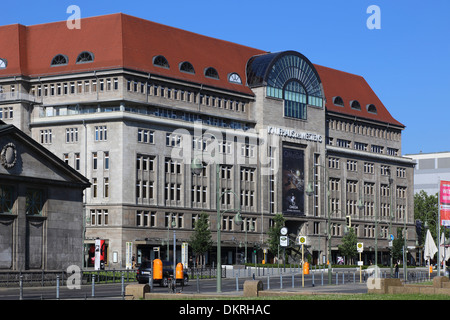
(123, 41)
(117, 41)
(352, 87)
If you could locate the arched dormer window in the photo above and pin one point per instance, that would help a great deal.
(187, 67)
(355, 105)
(371, 108)
(85, 57)
(211, 73)
(338, 101)
(59, 60)
(3, 63)
(234, 78)
(161, 61)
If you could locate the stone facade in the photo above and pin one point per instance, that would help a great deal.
(129, 131)
(41, 219)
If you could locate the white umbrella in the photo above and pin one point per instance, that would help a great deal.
(430, 246)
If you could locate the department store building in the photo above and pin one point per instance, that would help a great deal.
(130, 104)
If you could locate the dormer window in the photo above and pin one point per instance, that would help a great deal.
(371, 108)
(59, 60)
(211, 73)
(355, 105)
(187, 67)
(3, 63)
(234, 78)
(338, 101)
(85, 57)
(161, 61)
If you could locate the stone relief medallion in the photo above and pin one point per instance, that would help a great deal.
(8, 156)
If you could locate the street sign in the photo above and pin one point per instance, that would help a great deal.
(301, 240)
(284, 231)
(360, 246)
(284, 241)
(391, 236)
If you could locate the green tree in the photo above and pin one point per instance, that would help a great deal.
(274, 233)
(426, 210)
(348, 247)
(201, 239)
(397, 245)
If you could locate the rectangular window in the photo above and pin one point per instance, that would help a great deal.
(6, 199)
(34, 201)
(77, 161)
(101, 133)
(106, 187)
(173, 140)
(71, 135)
(369, 167)
(94, 161)
(333, 163)
(106, 160)
(94, 187)
(145, 136)
(46, 136)
(99, 217)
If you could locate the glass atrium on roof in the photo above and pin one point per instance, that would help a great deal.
(289, 76)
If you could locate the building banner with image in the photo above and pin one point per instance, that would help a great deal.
(444, 203)
(293, 181)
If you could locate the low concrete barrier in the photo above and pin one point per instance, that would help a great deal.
(382, 285)
(441, 285)
(252, 288)
(136, 291)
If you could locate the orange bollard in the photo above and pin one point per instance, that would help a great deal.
(179, 271)
(157, 269)
(306, 268)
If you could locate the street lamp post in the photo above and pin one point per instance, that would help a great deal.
(310, 191)
(174, 250)
(197, 167)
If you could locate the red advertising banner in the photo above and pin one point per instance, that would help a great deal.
(444, 203)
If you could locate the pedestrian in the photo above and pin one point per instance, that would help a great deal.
(396, 269)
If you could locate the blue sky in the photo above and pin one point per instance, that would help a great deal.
(406, 62)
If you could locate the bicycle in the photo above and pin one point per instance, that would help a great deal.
(172, 285)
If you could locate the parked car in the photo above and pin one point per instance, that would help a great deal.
(144, 272)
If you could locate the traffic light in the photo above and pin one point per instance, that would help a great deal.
(348, 221)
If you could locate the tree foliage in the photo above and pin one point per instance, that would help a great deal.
(426, 210)
(274, 233)
(348, 246)
(201, 239)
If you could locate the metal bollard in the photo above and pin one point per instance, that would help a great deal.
(268, 282)
(281, 281)
(322, 277)
(237, 283)
(123, 285)
(292, 280)
(21, 287)
(313, 279)
(93, 285)
(57, 287)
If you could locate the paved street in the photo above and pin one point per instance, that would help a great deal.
(230, 286)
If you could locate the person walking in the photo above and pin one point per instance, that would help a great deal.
(396, 269)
